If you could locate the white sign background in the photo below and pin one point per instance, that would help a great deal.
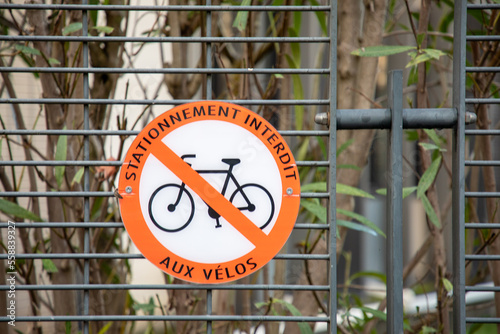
(211, 141)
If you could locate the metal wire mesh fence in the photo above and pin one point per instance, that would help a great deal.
(79, 80)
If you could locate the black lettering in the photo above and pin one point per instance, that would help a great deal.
(251, 264)
(146, 140)
(166, 262)
(130, 164)
(207, 276)
(163, 125)
(279, 147)
(255, 124)
(290, 175)
(272, 138)
(137, 157)
(235, 112)
(180, 269)
(186, 113)
(189, 269)
(228, 274)
(246, 119)
(141, 147)
(129, 176)
(200, 112)
(222, 111)
(218, 273)
(267, 129)
(153, 130)
(285, 158)
(243, 270)
(211, 110)
(172, 118)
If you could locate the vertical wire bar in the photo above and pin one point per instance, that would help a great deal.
(209, 97)
(458, 163)
(86, 157)
(394, 252)
(332, 178)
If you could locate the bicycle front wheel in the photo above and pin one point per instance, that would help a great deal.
(256, 202)
(171, 207)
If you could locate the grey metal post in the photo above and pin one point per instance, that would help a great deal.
(209, 97)
(332, 181)
(395, 205)
(458, 157)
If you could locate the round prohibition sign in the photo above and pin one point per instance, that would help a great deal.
(209, 191)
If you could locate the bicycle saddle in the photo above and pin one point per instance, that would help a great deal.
(231, 162)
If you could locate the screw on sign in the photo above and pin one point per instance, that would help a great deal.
(209, 192)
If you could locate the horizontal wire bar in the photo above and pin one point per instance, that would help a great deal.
(471, 320)
(102, 194)
(220, 8)
(75, 132)
(269, 287)
(478, 132)
(482, 38)
(482, 69)
(483, 6)
(483, 100)
(262, 318)
(155, 102)
(482, 194)
(482, 226)
(57, 194)
(482, 162)
(165, 70)
(120, 225)
(469, 288)
(482, 257)
(83, 256)
(94, 163)
(189, 39)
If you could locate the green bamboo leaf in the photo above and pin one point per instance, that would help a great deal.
(316, 209)
(429, 210)
(60, 155)
(428, 177)
(431, 147)
(49, 266)
(362, 219)
(345, 145)
(355, 226)
(304, 327)
(78, 176)
(447, 284)
(382, 50)
(407, 191)
(71, 28)
(431, 133)
(240, 22)
(316, 186)
(105, 328)
(373, 274)
(27, 50)
(104, 29)
(13, 209)
(352, 191)
(347, 166)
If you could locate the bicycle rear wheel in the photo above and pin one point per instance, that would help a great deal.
(171, 207)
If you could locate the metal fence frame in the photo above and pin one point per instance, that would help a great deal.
(395, 118)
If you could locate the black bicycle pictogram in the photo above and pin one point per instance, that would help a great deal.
(171, 206)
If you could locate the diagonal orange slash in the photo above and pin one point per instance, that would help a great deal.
(208, 193)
